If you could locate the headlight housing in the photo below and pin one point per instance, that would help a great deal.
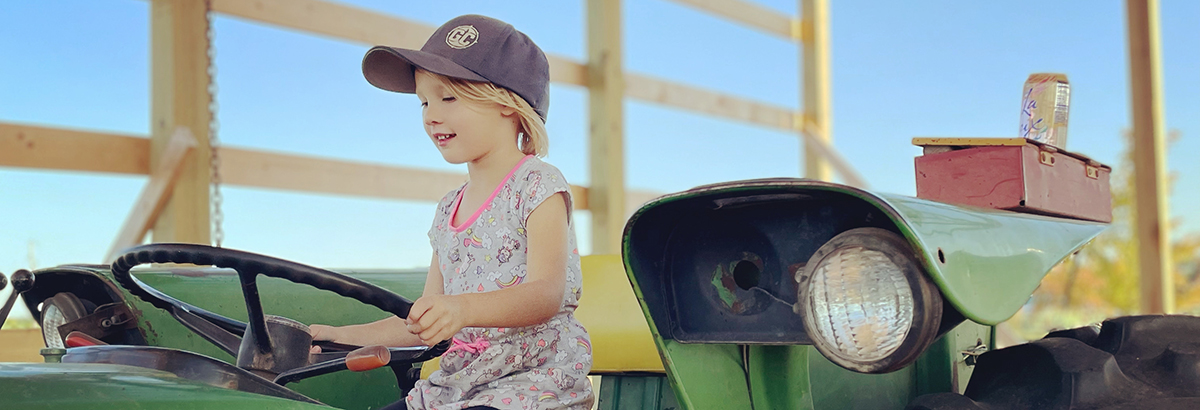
(866, 303)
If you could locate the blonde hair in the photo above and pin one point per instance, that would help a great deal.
(534, 140)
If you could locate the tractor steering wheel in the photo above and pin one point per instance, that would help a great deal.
(270, 344)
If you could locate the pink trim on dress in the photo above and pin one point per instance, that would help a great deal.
(458, 200)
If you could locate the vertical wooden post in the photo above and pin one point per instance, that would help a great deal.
(815, 83)
(179, 98)
(1149, 158)
(606, 90)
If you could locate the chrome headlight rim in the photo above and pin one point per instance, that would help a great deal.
(926, 299)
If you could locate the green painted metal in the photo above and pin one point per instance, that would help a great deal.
(218, 291)
(779, 376)
(726, 376)
(700, 374)
(985, 261)
(758, 377)
(635, 392)
(934, 370)
(836, 388)
(103, 386)
(944, 366)
(799, 377)
(705, 376)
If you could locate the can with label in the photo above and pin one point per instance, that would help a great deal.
(1045, 105)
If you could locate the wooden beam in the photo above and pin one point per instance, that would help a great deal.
(329, 176)
(1149, 158)
(179, 98)
(25, 146)
(300, 173)
(28, 146)
(733, 108)
(362, 26)
(335, 20)
(368, 27)
(606, 91)
(153, 198)
(289, 172)
(833, 158)
(815, 87)
(748, 14)
(635, 199)
(707, 102)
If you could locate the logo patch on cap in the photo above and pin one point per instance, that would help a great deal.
(462, 37)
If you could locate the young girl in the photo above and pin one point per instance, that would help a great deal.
(505, 277)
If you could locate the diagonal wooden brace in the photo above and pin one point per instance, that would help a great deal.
(155, 194)
(809, 132)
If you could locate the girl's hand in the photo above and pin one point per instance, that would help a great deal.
(435, 318)
(322, 332)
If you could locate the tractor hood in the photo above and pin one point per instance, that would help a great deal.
(109, 386)
(681, 251)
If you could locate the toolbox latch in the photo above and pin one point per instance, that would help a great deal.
(1046, 157)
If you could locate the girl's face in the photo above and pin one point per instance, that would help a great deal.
(462, 130)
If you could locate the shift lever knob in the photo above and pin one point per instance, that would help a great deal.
(22, 280)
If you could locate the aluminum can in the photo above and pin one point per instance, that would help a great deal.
(1045, 106)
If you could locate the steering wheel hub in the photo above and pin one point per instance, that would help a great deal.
(290, 341)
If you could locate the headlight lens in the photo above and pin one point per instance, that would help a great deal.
(58, 310)
(866, 302)
(861, 303)
(52, 318)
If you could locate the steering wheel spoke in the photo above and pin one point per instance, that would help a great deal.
(214, 334)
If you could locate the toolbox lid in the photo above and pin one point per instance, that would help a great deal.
(943, 144)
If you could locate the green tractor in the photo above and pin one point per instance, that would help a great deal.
(760, 294)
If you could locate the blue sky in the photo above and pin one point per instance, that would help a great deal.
(900, 70)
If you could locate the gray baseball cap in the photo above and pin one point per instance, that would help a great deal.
(470, 47)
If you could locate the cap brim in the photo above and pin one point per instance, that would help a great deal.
(392, 69)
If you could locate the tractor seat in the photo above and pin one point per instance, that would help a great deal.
(621, 341)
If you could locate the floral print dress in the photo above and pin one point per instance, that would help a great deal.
(543, 366)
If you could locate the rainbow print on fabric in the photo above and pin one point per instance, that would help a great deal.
(515, 281)
(473, 242)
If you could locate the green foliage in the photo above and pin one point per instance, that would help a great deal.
(17, 324)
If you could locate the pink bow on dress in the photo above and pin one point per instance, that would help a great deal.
(476, 347)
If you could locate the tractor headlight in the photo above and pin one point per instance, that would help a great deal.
(52, 318)
(58, 310)
(866, 302)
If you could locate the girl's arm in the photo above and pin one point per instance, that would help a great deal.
(390, 331)
(438, 317)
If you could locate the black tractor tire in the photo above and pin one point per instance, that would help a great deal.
(1133, 362)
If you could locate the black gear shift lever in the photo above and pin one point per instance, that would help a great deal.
(22, 280)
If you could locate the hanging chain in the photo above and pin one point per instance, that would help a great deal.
(218, 235)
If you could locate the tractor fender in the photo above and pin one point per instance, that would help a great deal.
(985, 262)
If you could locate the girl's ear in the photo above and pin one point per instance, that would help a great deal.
(507, 111)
